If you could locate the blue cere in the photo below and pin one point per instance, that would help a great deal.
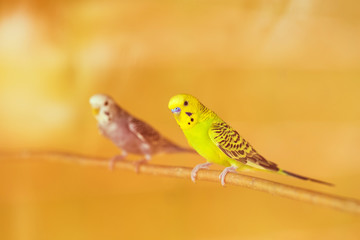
(176, 110)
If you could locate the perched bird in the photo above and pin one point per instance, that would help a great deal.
(217, 142)
(128, 133)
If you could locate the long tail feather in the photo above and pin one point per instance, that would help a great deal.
(170, 147)
(305, 178)
(188, 150)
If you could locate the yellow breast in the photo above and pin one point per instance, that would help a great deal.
(199, 139)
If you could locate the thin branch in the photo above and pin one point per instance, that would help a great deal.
(301, 194)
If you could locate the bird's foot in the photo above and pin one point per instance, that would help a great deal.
(223, 174)
(115, 159)
(139, 163)
(197, 168)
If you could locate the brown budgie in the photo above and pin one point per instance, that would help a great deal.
(130, 134)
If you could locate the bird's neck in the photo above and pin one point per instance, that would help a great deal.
(205, 113)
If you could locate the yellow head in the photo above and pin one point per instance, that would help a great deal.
(186, 110)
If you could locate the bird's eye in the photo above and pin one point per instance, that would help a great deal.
(106, 103)
(186, 103)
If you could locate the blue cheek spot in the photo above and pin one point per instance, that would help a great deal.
(176, 110)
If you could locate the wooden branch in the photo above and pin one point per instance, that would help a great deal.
(337, 202)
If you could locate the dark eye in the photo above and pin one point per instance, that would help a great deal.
(186, 103)
(106, 103)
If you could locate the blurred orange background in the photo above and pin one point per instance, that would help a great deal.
(285, 74)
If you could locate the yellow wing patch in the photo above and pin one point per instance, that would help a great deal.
(229, 141)
(234, 146)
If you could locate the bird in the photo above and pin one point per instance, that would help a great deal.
(218, 142)
(129, 133)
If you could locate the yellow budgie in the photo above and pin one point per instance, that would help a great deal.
(217, 142)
